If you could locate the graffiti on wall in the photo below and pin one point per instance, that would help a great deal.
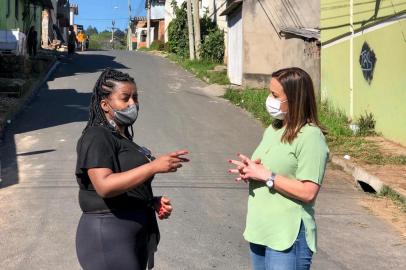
(367, 60)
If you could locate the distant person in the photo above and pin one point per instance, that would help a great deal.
(87, 43)
(285, 175)
(32, 41)
(72, 41)
(81, 37)
(118, 228)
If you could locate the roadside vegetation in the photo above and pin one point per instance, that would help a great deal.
(101, 40)
(211, 50)
(341, 139)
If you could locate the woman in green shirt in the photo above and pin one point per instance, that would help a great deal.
(285, 174)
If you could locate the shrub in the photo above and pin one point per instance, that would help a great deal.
(366, 124)
(178, 32)
(212, 39)
(157, 45)
(212, 48)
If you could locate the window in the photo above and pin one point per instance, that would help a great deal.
(143, 35)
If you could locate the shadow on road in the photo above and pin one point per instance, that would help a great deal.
(87, 62)
(52, 107)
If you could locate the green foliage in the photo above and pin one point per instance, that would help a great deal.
(166, 47)
(157, 45)
(366, 124)
(212, 39)
(253, 100)
(202, 69)
(101, 41)
(178, 39)
(212, 48)
(335, 121)
(394, 196)
(90, 31)
(207, 25)
(340, 138)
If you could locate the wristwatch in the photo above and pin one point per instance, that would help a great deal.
(270, 181)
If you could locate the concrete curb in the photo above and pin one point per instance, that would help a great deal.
(359, 174)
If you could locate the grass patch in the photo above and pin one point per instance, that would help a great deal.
(389, 193)
(253, 100)
(202, 69)
(144, 49)
(340, 138)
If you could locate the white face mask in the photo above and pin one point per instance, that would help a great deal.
(273, 106)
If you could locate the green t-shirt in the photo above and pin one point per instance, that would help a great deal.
(273, 220)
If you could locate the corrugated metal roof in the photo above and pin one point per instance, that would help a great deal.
(308, 33)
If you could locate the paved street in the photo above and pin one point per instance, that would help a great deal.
(38, 196)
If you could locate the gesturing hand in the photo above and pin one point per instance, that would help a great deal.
(163, 207)
(170, 162)
(249, 170)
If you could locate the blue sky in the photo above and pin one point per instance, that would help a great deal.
(99, 13)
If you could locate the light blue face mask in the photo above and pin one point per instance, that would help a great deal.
(125, 117)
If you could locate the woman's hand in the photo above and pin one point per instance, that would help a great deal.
(249, 170)
(170, 162)
(163, 207)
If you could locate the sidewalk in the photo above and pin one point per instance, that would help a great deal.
(20, 80)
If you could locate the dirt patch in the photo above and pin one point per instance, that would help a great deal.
(392, 175)
(388, 147)
(387, 210)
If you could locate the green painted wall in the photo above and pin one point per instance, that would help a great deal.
(335, 78)
(17, 22)
(385, 95)
(335, 15)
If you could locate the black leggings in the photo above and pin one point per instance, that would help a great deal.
(112, 241)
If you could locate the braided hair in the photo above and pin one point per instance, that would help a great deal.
(102, 89)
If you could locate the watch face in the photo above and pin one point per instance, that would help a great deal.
(269, 183)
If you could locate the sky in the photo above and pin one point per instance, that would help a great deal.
(100, 13)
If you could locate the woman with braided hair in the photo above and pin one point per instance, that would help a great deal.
(118, 227)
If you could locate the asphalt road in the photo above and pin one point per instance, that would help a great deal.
(38, 194)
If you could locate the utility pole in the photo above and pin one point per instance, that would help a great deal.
(148, 23)
(196, 24)
(190, 29)
(113, 22)
(129, 31)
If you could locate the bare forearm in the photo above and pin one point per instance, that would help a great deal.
(292, 188)
(295, 189)
(117, 183)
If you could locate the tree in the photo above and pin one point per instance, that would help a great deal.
(119, 34)
(90, 31)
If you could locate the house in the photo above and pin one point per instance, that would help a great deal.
(139, 32)
(366, 40)
(55, 24)
(267, 35)
(157, 19)
(157, 25)
(16, 18)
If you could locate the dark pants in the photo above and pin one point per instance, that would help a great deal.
(32, 49)
(71, 48)
(112, 241)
